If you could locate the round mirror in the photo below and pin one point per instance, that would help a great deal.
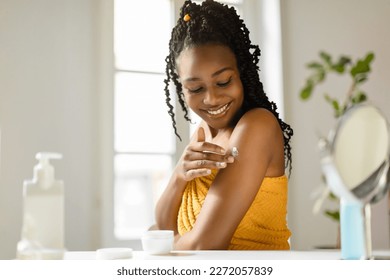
(361, 151)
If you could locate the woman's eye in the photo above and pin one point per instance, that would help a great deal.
(224, 84)
(195, 90)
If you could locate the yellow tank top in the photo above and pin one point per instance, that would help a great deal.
(264, 226)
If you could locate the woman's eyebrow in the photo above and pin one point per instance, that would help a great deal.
(221, 71)
(193, 79)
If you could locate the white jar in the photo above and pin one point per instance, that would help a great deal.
(158, 241)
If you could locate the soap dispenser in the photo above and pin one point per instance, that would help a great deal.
(42, 234)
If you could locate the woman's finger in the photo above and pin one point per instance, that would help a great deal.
(194, 173)
(201, 135)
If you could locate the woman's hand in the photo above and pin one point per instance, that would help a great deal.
(200, 157)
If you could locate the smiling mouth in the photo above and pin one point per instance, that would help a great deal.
(220, 111)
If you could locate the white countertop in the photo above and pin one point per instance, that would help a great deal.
(228, 255)
(200, 265)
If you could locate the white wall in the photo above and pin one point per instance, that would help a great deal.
(48, 102)
(351, 27)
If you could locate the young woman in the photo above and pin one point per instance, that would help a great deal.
(229, 189)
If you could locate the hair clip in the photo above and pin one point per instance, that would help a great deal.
(186, 17)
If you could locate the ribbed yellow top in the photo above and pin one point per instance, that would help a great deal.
(263, 227)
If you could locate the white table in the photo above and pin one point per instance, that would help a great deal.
(229, 255)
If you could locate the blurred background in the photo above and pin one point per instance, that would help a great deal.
(85, 78)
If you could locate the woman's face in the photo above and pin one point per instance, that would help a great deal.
(211, 83)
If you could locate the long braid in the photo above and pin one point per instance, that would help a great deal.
(213, 22)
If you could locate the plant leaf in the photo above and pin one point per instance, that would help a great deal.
(359, 97)
(334, 103)
(362, 65)
(320, 76)
(314, 65)
(332, 196)
(369, 57)
(359, 79)
(344, 60)
(334, 215)
(327, 98)
(339, 67)
(326, 58)
(307, 90)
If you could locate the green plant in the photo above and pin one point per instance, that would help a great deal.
(357, 71)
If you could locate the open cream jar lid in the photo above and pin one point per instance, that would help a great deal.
(114, 253)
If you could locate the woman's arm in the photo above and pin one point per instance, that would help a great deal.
(259, 140)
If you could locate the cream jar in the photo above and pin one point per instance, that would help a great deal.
(158, 241)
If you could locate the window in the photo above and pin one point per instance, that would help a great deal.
(144, 145)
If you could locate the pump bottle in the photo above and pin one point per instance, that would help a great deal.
(43, 213)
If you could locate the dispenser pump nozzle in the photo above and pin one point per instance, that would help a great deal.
(44, 171)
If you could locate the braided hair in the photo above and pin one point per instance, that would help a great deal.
(216, 23)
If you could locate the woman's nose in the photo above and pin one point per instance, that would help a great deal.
(211, 97)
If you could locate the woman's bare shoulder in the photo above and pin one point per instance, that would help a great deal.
(258, 120)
